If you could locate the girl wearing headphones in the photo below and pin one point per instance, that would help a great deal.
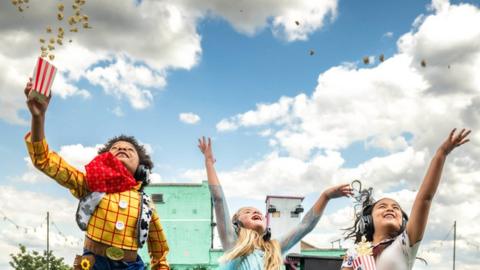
(245, 239)
(394, 238)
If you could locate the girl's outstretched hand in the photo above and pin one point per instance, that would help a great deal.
(206, 149)
(343, 190)
(454, 140)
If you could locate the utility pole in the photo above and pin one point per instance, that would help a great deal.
(48, 239)
(454, 241)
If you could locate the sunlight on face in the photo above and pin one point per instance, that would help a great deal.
(252, 218)
(126, 153)
(387, 216)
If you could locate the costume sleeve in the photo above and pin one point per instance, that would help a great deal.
(408, 249)
(296, 234)
(224, 226)
(349, 257)
(51, 164)
(157, 244)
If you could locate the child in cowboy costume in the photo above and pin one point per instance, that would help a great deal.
(116, 215)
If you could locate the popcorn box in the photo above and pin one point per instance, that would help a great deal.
(43, 76)
(364, 262)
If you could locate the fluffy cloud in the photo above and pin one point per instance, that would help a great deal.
(133, 45)
(126, 52)
(189, 118)
(31, 217)
(381, 104)
(251, 16)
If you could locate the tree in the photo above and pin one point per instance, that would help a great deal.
(25, 260)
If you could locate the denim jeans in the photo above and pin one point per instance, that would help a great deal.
(104, 263)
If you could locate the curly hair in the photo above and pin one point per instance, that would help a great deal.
(367, 204)
(144, 158)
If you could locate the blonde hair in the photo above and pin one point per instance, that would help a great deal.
(248, 240)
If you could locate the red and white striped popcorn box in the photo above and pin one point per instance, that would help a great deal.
(364, 262)
(43, 76)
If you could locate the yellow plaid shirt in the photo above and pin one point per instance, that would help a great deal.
(114, 222)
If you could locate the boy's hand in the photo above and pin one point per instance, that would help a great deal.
(206, 149)
(36, 105)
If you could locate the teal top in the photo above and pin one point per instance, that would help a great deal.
(254, 260)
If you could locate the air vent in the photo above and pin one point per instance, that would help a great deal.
(158, 198)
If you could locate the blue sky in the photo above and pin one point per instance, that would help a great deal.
(233, 70)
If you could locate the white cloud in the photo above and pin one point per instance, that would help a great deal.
(126, 79)
(251, 16)
(264, 114)
(388, 34)
(132, 46)
(118, 111)
(126, 52)
(155, 178)
(266, 132)
(189, 118)
(32, 216)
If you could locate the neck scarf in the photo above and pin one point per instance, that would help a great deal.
(105, 173)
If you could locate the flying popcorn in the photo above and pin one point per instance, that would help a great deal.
(49, 29)
(60, 16)
(366, 60)
(60, 6)
(51, 47)
(72, 20)
(42, 40)
(381, 57)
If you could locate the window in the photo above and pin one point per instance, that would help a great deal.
(158, 198)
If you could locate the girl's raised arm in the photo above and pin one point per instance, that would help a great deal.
(421, 206)
(224, 226)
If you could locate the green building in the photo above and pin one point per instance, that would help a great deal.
(186, 213)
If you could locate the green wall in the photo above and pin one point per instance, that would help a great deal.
(185, 214)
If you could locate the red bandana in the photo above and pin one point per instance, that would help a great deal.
(105, 173)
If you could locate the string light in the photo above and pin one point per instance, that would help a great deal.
(40, 227)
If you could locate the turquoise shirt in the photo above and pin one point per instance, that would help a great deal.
(252, 261)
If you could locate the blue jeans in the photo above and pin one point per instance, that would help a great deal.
(104, 263)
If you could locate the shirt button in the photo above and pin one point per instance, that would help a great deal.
(119, 225)
(123, 204)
